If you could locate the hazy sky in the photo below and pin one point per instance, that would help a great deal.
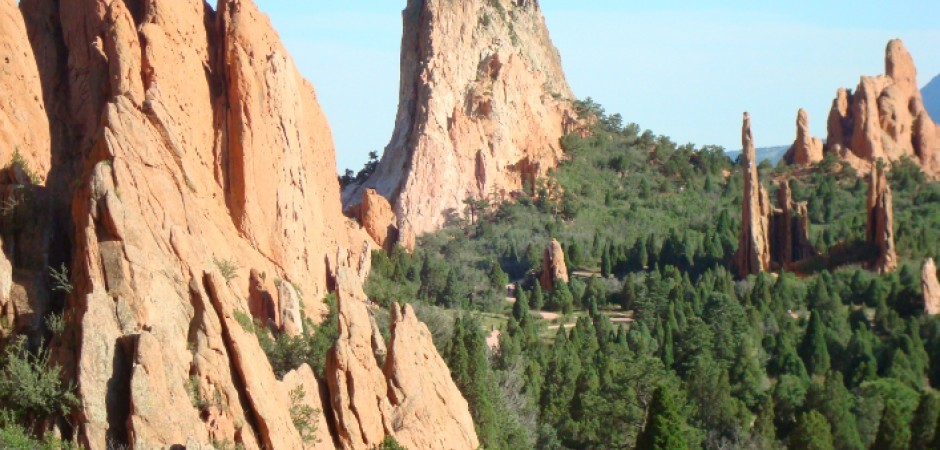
(685, 69)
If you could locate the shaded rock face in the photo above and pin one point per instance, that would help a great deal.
(378, 219)
(931, 288)
(789, 229)
(483, 104)
(753, 247)
(885, 118)
(771, 237)
(806, 149)
(553, 266)
(880, 225)
(410, 395)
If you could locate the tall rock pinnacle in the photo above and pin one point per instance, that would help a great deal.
(806, 149)
(483, 104)
(880, 225)
(754, 246)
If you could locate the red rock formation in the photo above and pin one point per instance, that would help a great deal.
(789, 229)
(553, 266)
(880, 226)
(378, 219)
(483, 104)
(753, 247)
(771, 237)
(806, 149)
(411, 396)
(931, 288)
(885, 118)
(24, 126)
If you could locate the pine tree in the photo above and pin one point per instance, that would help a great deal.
(924, 425)
(893, 432)
(605, 263)
(538, 297)
(836, 403)
(520, 309)
(665, 427)
(812, 433)
(814, 350)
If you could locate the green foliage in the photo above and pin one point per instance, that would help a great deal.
(389, 443)
(18, 160)
(806, 359)
(665, 426)
(60, 280)
(228, 268)
(304, 416)
(286, 353)
(811, 433)
(31, 387)
(894, 432)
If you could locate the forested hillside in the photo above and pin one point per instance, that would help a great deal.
(653, 342)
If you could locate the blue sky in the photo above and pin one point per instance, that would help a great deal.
(685, 69)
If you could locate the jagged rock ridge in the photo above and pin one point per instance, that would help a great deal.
(189, 183)
(885, 118)
(483, 104)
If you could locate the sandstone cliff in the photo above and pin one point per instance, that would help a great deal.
(190, 183)
(885, 118)
(483, 104)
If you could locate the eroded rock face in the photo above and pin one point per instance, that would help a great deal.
(880, 225)
(789, 229)
(885, 118)
(430, 412)
(169, 113)
(806, 149)
(771, 237)
(483, 104)
(378, 219)
(553, 266)
(754, 247)
(931, 288)
(410, 396)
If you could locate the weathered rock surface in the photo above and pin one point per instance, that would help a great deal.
(885, 118)
(483, 104)
(303, 380)
(378, 219)
(410, 396)
(931, 288)
(789, 229)
(806, 149)
(24, 125)
(754, 247)
(553, 266)
(880, 225)
(430, 412)
(771, 237)
(191, 184)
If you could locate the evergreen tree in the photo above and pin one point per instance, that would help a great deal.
(813, 350)
(538, 297)
(924, 424)
(893, 432)
(665, 427)
(837, 404)
(812, 433)
(606, 263)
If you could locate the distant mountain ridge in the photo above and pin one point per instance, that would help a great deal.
(770, 154)
(931, 95)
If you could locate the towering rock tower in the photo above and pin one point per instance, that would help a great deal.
(880, 226)
(483, 103)
(754, 246)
